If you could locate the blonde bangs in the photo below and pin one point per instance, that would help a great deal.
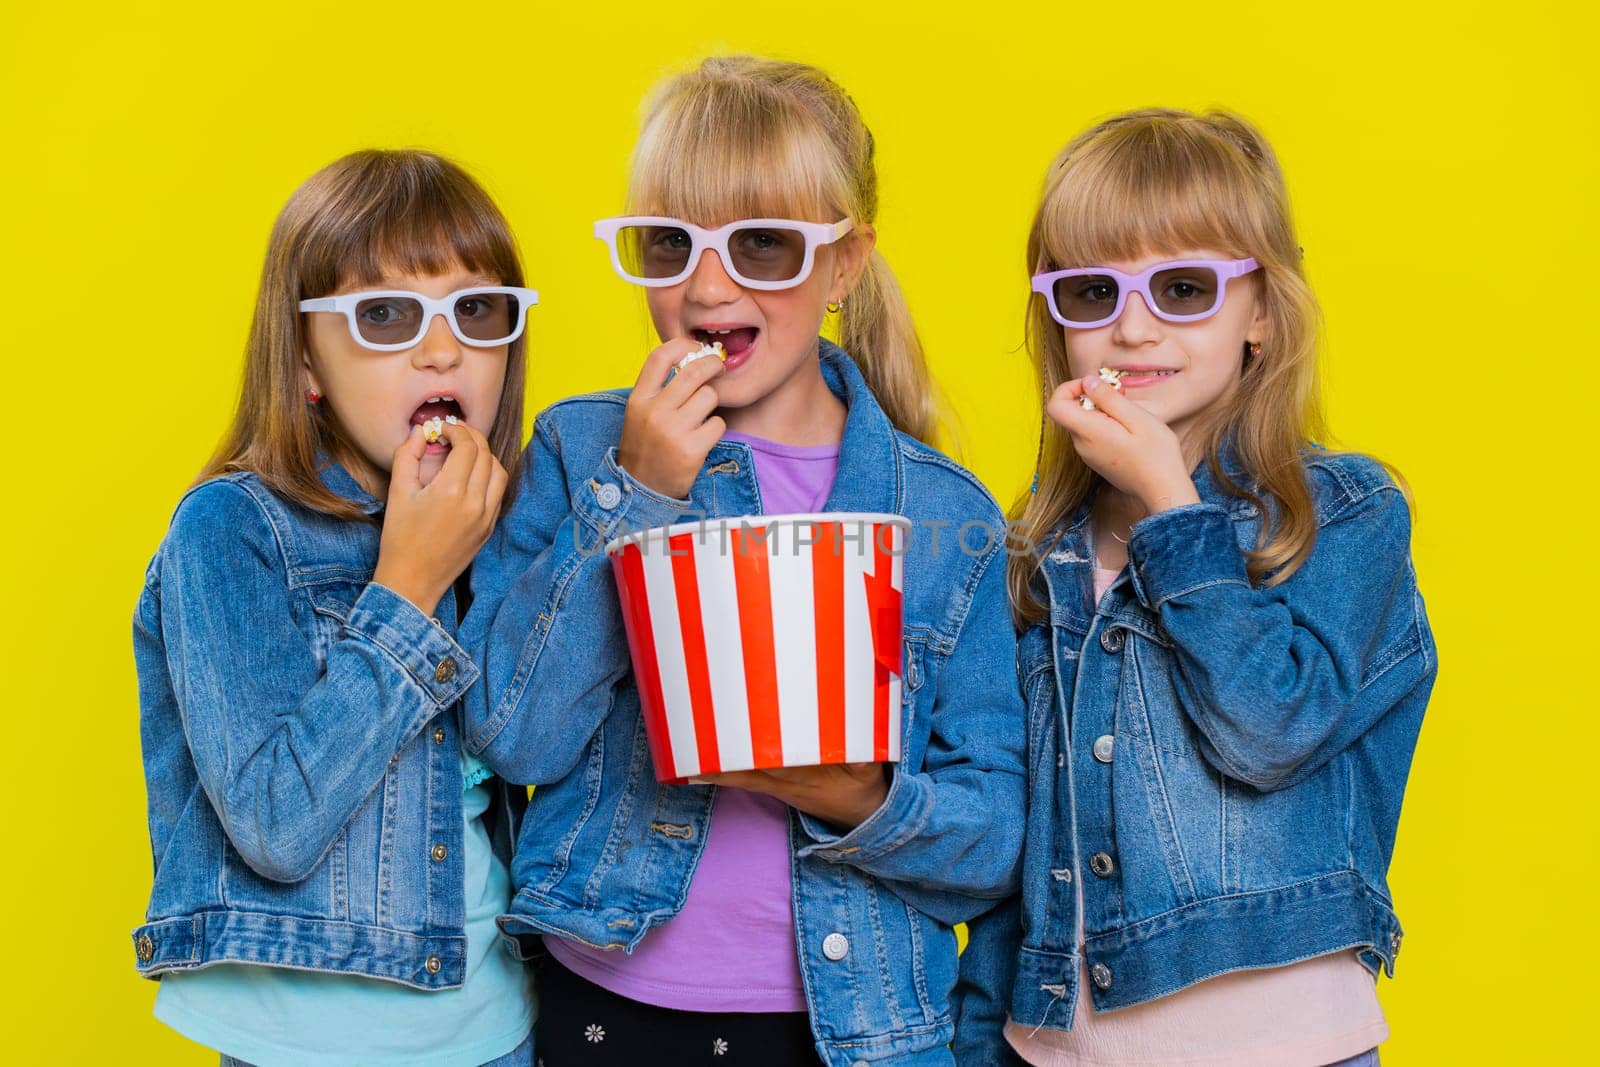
(1137, 191)
(748, 153)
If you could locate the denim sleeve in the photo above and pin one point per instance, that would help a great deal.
(948, 837)
(546, 624)
(1280, 679)
(288, 746)
(983, 989)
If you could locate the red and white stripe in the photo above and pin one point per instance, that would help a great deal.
(756, 655)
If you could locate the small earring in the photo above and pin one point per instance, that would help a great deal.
(1254, 348)
(836, 306)
(312, 396)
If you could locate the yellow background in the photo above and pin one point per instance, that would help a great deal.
(1443, 172)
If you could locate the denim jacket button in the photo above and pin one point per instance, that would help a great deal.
(1100, 975)
(836, 946)
(145, 946)
(438, 736)
(432, 964)
(1103, 746)
(607, 495)
(445, 671)
(1100, 863)
(1111, 640)
(438, 852)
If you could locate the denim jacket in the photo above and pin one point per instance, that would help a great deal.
(606, 853)
(301, 750)
(1218, 765)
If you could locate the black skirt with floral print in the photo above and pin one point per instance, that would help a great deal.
(582, 1023)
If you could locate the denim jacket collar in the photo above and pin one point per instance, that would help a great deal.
(342, 483)
(869, 478)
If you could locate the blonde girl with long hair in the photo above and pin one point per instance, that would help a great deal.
(772, 917)
(1224, 653)
(329, 861)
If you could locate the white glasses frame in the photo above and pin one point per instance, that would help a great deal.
(345, 304)
(700, 239)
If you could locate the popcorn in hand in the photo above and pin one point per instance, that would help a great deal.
(1110, 377)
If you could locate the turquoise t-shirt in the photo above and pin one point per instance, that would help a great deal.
(272, 1015)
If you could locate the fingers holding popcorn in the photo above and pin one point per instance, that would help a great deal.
(1121, 441)
(665, 365)
(668, 429)
(1107, 376)
(431, 533)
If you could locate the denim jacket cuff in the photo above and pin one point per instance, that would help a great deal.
(900, 818)
(614, 503)
(420, 645)
(1183, 550)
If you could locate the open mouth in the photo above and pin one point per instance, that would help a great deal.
(736, 341)
(433, 413)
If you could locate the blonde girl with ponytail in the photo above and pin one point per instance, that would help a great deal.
(774, 916)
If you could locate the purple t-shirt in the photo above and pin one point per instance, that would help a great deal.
(732, 947)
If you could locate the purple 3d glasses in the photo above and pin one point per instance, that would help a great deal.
(1185, 290)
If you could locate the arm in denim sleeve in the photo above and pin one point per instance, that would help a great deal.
(286, 747)
(948, 837)
(1280, 679)
(983, 988)
(546, 625)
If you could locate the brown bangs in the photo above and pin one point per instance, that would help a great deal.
(403, 211)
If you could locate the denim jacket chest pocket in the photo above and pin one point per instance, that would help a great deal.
(328, 596)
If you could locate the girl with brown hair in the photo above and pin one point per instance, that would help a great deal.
(329, 861)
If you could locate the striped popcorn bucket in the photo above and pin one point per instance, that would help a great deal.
(766, 641)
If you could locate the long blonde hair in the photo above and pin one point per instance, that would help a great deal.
(746, 137)
(1158, 180)
(361, 215)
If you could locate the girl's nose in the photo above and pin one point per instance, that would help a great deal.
(438, 348)
(710, 283)
(1136, 325)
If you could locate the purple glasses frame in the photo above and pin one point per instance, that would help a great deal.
(1226, 270)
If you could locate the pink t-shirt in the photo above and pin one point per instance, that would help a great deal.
(1317, 1011)
(732, 947)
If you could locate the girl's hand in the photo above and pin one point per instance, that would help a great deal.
(843, 794)
(1124, 444)
(431, 533)
(669, 429)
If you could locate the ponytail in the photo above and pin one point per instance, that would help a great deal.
(875, 327)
